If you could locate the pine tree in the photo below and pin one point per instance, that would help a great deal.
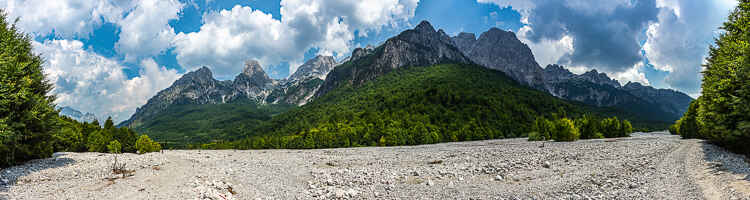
(27, 114)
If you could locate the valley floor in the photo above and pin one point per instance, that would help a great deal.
(645, 166)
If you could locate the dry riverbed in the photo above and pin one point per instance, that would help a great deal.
(645, 166)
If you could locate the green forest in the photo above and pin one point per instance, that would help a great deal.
(179, 125)
(415, 105)
(30, 126)
(721, 114)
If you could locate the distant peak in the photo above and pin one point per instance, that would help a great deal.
(252, 67)
(424, 26)
(203, 71)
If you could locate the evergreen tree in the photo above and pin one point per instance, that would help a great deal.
(724, 106)
(27, 114)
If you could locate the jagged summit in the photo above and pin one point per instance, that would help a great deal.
(424, 27)
(317, 67)
(501, 50)
(600, 78)
(421, 46)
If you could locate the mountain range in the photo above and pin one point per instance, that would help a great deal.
(77, 115)
(495, 49)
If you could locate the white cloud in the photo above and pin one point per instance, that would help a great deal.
(547, 51)
(92, 83)
(679, 41)
(252, 34)
(145, 30)
(632, 75)
(66, 18)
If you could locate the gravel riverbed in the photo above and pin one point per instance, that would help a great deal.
(644, 166)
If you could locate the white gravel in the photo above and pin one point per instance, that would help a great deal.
(645, 166)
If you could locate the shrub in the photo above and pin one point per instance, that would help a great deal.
(566, 130)
(625, 128)
(114, 147)
(588, 127)
(610, 127)
(145, 145)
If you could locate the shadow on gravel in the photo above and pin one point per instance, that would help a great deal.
(725, 161)
(10, 176)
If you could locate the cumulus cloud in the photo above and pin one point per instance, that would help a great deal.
(92, 83)
(633, 74)
(65, 18)
(252, 34)
(605, 34)
(679, 42)
(145, 30)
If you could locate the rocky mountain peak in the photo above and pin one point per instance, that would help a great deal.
(202, 75)
(317, 67)
(424, 27)
(253, 69)
(501, 50)
(599, 78)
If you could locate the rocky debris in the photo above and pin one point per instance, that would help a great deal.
(213, 190)
(644, 166)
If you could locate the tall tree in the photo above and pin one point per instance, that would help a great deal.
(724, 106)
(27, 114)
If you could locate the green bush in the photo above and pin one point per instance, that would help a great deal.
(588, 127)
(625, 128)
(145, 145)
(114, 147)
(565, 130)
(542, 130)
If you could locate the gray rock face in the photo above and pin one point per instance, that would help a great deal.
(251, 86)
(501, 50)
(77, 115)
(598, 89)
(599, 78)
(421, 46)
(317, 67)
(592, 88)
(301, 86)
(669, 100)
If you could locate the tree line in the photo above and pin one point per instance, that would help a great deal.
(586, 127)
(721, 114)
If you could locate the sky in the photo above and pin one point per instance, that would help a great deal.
(108, 57)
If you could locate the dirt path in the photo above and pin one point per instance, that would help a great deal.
(645, 166)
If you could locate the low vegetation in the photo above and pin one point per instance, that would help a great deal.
(586, 127)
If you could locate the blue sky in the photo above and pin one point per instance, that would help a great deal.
(109, 57)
